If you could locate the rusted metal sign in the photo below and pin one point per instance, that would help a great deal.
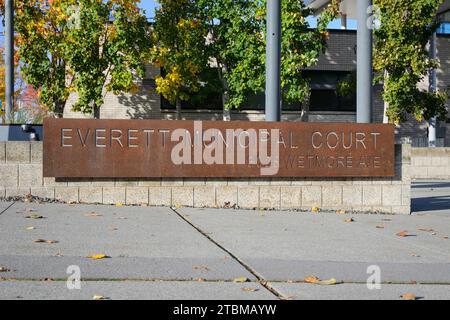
(176, 149)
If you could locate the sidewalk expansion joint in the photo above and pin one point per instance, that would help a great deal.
(260, 278)
(7, 208)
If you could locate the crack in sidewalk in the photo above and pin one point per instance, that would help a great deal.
(260, 278)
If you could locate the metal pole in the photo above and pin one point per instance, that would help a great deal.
(9, 59)
(432, 123)
(273, 61)
(364, 63)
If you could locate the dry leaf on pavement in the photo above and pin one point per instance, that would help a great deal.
(403, 234)
(379, 227)
(3, 269)
(248, 289)
(45, 241)
(31, 228)
(93, 214)
(315, 280)
(425, 230)
(241, 280)
(408, 296)
(34, 216)
(98, 256)
(98, 297)
(340, 212)
(315, 209)
(349, 220)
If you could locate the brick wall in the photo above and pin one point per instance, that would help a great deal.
(21, 173)
(430, 163)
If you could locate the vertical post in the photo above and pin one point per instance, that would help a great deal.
(364, 62)
(432, 123)
(273, 61)
(343, 21)
(9, 59)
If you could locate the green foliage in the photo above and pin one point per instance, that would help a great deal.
(401, 57)
(229, 35)
(83, 46)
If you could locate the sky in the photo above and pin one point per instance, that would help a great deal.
(149, 7)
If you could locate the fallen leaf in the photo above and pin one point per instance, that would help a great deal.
(119, 204)
(402, 234)
(446, 238)
(3, 269)
(248, 289)
(408, 296)
(311, 279)
(379, 227)
(93, 214)
(200, 280)
(98, 297)
(31, 228)
(315, 280)
(205, 268)
(45, 241)
(426, 230)
(386, 220)
(415, 255)
(241, 280)
(315, 209)
(340, 211)
(349, 220)
(34, 216)
(329, 282)
(98, 256)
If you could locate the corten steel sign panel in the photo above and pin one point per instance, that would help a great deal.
(236, 149)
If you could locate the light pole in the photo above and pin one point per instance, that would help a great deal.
(364, 63)
(273, 61)
(432, 88)
(9, 59)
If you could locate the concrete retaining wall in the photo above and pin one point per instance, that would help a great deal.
(430, 163)
(21, 173)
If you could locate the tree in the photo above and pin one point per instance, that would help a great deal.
(85, 46)
(180, 33)
(401, 58)
(229, 35)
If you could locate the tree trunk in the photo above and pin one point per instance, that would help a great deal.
(59, 110)
(226, 113)
(178, 111)
(304, 116)
(96, 109)
(386, 104)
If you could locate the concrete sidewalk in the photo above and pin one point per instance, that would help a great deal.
(164, 253)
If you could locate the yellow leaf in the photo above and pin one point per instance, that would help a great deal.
(408, 296)
(315, 209)
(311, 279)
(340, 211)
(349, 220)
(316, 280)
(98, 256)
(241, 280)
(119, 204)
(98, 297)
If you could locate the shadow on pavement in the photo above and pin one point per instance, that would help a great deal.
(437, 203)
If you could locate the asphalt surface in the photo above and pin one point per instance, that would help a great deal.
(185, 253)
